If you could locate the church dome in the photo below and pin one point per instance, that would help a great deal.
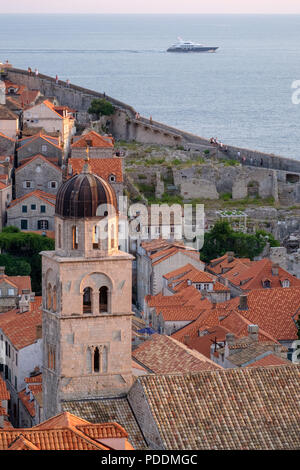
(81, 195)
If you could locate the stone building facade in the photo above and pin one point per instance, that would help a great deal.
(39, 144)
(7, 145)
(86, 300)
(34, 211)
(37, 173)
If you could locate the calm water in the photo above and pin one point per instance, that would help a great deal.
(241, 94)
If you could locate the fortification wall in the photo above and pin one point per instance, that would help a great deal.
(124, 124)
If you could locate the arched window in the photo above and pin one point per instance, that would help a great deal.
(87, 300)
(96, 360)
(103, 299)
(54, 300)
(49, 297)
(74, 237)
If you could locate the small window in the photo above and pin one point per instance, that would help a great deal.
(95, 238)
(112, 179)
(74, 237)
(11, 291)
(43, 209)
(28, 184)
(0, 292)
(33, 207)
(43, 225)
(52, 184)
(24, 209)
(24, 224)
(44, 148)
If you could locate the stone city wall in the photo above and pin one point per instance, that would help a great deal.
(124, 124)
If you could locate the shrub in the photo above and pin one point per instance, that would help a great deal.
(101, 107)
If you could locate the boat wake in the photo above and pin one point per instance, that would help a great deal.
(81, 51)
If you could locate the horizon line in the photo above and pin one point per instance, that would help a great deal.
(157, 13)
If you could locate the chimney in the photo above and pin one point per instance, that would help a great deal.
(226, 282)
(277, 348)
(230, 339)
(39, 334)
(213, 305)
(189, 282)
(274, 268)
(24, 301)
(2, 270)
(253, 332)
(1, 421)
(70, 169)
(243, 302)
(187, 340)
(230, 256)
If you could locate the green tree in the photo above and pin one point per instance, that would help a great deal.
(24, 248)
(15, 266)
(101, 107)
(222, 238)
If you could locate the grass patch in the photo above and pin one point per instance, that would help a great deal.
(226, 196)
(229, 162)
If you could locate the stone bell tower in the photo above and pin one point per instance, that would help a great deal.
(86, 298)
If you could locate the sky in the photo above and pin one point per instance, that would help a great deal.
(151, 6)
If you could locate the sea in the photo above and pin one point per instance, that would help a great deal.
(242, 94)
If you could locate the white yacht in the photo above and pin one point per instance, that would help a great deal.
(188, 46)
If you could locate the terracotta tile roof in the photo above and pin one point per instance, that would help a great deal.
(179, 279)
(232, 409)
(246, 351)
(173, 249)
(46, 197)
(178, 313)
(210, 320)
(20, 328)
(4, 393)
(24, 162)
(65, 432)
(177, 273)
(156, 245)
(273, 310)
(35, 379)
(20, 282)
(160, 300)
(21, 443)
(189, 298)
(203, 343)
(109, 410)
(227, 263)
(269, 360)
(92, 139)
(27, 402)
(259, 271)
(161, 354)
(3, 136)
(7, 115)
(104, 167)
(50, 140)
